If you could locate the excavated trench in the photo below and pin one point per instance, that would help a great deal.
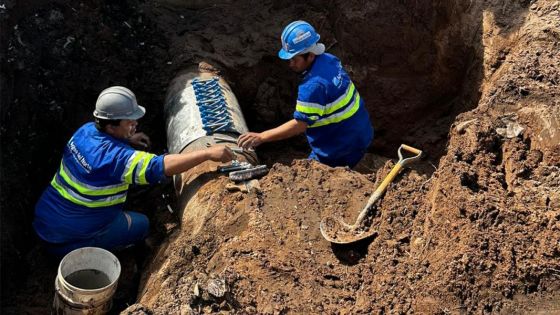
(417, 64)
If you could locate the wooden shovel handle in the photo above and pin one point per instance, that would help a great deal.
(411, 149)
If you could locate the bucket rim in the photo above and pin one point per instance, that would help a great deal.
(92, 291)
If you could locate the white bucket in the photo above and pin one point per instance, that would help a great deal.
(86, 281)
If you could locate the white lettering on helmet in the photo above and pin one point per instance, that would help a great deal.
(301, 36)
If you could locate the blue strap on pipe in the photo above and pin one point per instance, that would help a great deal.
(211, 103)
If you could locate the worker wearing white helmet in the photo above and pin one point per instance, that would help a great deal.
(83, 205)
(329, 108)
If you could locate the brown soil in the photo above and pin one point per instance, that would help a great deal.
(472, 228)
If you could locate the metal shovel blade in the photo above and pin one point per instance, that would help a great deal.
(337, 231)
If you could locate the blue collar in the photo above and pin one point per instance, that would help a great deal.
(310, 68)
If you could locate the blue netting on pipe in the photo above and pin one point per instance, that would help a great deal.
(211, 103)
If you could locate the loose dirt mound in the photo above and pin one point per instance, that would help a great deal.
(267, 246)
(455, 241)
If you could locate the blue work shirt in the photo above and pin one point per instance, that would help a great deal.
(339, 130)
(91, 185)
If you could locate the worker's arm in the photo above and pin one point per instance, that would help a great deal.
(178, 163)
(284, 131)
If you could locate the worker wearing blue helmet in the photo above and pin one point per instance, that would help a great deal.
(329, 108)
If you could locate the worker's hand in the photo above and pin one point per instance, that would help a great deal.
(220, 153)
(140, 141)
(250, 140)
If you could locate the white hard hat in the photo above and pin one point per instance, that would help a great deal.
(118, 102)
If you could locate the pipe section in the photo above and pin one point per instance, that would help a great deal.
(201, 104)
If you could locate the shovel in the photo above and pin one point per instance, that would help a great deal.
(337, 231)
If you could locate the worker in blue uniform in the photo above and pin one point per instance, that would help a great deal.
(83, 205)
(329, 108)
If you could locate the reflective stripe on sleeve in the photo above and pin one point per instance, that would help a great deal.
(137, 164)
(140, 175)
(130, 166)
(310, 108)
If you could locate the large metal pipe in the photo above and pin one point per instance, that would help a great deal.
(201, 110)
(188, 130)
(201, 105)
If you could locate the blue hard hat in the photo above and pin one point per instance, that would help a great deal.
(297, 37)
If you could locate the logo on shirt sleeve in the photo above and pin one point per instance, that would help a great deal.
(337, 80)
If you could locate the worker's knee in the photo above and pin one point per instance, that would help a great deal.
(138, 225)
(129, 228)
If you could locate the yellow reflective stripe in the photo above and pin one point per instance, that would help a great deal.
(340, 116)
(110, 201)
(312, 108)
(333, 107)
(128, 165)
(90, 191)
(308, 109)
(141, 175)
(130, 171)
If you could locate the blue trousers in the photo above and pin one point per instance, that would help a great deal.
(349, 160)
(127, 229)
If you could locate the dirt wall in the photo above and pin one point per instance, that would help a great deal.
(56, 56)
